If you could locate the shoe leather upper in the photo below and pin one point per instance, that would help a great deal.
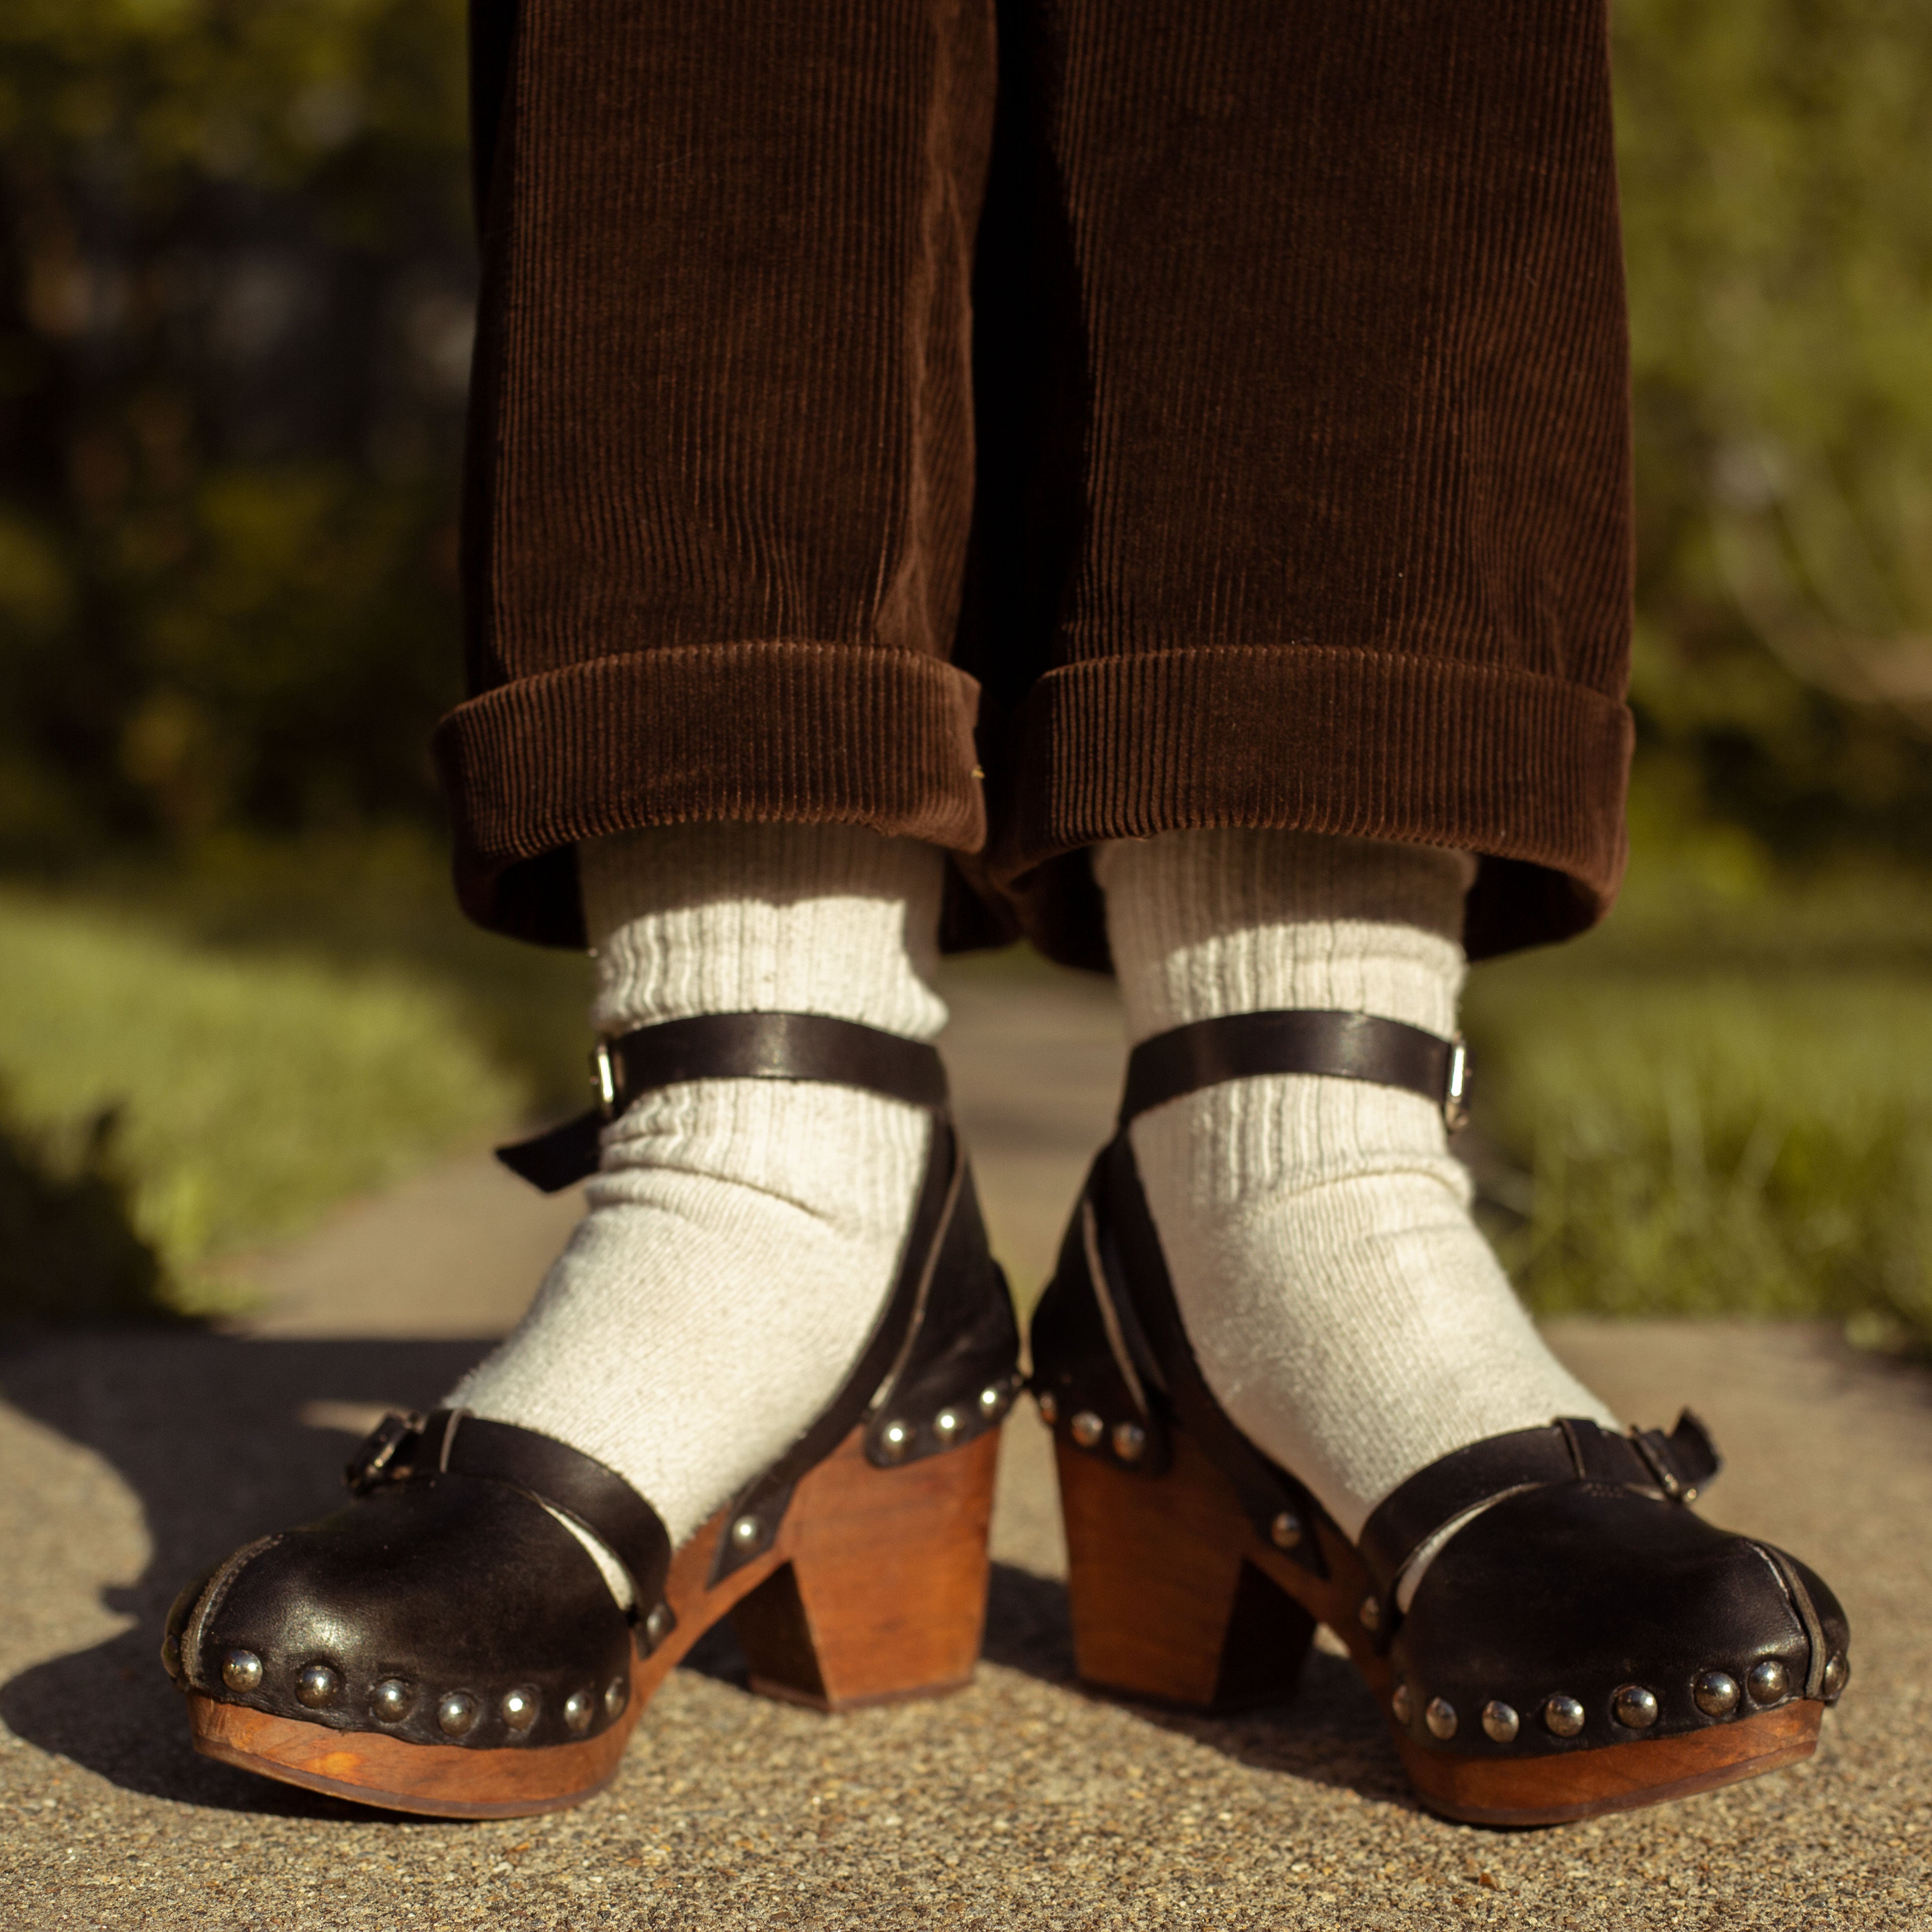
(1584, 1573)
(448, 1584)
(450, 1578)
(1579, 1590)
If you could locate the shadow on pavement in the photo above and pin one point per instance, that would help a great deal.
(223, 1439)
(210, 1433)
(1329, 1732)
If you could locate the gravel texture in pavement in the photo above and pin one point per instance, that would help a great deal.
(129, 1460)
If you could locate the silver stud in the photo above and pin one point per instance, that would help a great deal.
(1634, 1708)
(578, 1708)
(520, 1707)
(616, 1695)
(456, 1712)
(393, 1700)
(1049, 1409)
(317, 1686)
(1129, 1440)
(896, 1438)
(242, 1670)
(1717, 1693)
(1837, 1674)
(1563, 1717)
(1285, 1532)
(1440, 1717)
(946, 1424)
(1769, 1680)
(1501, 1722)
(1087, 1429)
(992, 1399)
(745, 1532)
(1370, 1615)
(1402, 1702)
(659, 1624)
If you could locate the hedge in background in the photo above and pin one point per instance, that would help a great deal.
(235, 305)
(1778, 218)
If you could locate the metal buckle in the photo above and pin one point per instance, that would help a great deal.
(1455, 1088)
(1654, 1448)
(375, 1462)
(607, 1080)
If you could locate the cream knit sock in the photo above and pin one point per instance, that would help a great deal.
(742, 1234)
(1344, 1307)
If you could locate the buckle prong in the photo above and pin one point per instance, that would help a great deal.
(374, 1462)
(1456, 1087)
(606, 1080)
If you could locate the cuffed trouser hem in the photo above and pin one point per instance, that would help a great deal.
(1527, 771)
(807, 733)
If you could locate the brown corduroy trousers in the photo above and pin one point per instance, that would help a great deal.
(1018, 425)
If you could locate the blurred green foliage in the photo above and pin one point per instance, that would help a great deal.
(235, 308)
(1777, 206)
(1719, 1104)
(354, 900)
(1722, 1100)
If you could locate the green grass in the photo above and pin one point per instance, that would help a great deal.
(380, 900)
(1720, 1103)
(1720, 1107)
(223, 1099)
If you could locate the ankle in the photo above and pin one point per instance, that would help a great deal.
(837, 919)
(1343, 1307)
(742, 1233)
(1208, 923)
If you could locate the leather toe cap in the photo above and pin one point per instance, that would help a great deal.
(1578, 1614)
(446, 1611)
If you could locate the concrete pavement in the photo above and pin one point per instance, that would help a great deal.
(127, 1459)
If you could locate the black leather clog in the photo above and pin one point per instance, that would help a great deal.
(1550, 1629)
(445, 1645)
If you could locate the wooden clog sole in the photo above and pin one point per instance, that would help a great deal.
(874, 1590)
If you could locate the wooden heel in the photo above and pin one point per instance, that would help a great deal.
(1169, 1602)
(885, 1593)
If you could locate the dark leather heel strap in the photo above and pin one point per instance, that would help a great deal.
(728, 1046)
(1347, 1046)
(405, 1448)
(1124, 1224)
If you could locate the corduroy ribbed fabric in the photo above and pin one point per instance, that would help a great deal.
(1231, 404)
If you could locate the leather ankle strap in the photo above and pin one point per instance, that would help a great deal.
(767, 1046)
(728, 1046)
(1347, 1046)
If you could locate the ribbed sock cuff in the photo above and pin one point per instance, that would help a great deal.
(1207, 923)
(718, 918)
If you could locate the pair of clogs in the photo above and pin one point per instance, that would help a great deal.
(1550, 1630)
